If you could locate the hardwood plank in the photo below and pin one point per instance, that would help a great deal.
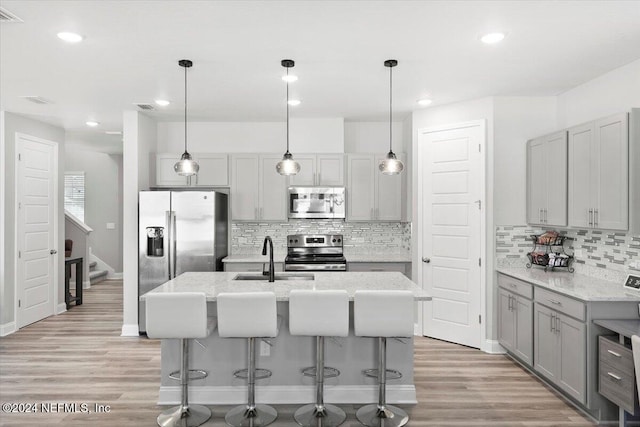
(78, 356)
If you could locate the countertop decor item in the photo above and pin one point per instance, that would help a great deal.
(548, 251)
(391, 165)
(287, 166)
(186, 166)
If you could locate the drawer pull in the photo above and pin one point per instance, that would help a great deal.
(512, 285)
(614, 376)
(555, 302)
(614, 353)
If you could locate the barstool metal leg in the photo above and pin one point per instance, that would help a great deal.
(184, 414)
(382, 415)
(319, 414)
(251, 414)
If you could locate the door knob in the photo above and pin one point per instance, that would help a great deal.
(426, 260)
(53, 252)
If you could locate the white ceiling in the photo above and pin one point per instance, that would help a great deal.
(131, 49)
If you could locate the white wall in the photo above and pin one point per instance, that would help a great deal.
(610, 93)
(323, 135)
(140, 135)
(516, 120)
(373, 137)
(103, 196)
(13, 123)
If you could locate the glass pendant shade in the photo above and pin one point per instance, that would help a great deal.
(186, 166)
(391, 165)
(287, 166)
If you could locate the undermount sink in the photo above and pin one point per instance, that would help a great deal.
(281, 276)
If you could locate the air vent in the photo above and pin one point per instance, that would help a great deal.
(37, 100)
(146, 107)
(6, 16)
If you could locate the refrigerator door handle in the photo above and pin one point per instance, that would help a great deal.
(174, 239)
(168, 215)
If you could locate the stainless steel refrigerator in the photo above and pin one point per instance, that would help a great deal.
(179, 231)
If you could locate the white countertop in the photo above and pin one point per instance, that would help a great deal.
(351, 257)
(213, 283)
(585, 288)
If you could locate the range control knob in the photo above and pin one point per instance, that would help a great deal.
(334, 240)
(339, 240)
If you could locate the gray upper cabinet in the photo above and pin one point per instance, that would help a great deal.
(372, 196)
(258, 192)
(319, 170)
(599, 174)
(547, 180)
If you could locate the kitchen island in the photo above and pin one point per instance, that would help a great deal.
(286, 356)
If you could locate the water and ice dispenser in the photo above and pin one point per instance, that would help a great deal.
(155, 241)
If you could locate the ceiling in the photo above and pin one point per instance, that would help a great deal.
(131, 49)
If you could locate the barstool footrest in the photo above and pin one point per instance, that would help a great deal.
(259, 375)
(194, 374)
(328, 372)
(392, 374)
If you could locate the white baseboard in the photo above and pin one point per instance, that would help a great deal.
(130, 330)
(288, 394)
(86, 284)
(492, 347)
(7, 328)
(62, 307)
(115, 276)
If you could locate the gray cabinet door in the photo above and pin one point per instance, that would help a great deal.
(572, 346)
(523, 341)
(273, 190)
(581, 141)
(545, 342)
(536, 180)
(245, 179)
(556, 179)
(506, 320)
(361, 188)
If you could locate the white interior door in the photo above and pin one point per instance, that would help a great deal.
(449, 199)
(36, 236)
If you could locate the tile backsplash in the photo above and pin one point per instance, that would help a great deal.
(597, 252)
(359, 237)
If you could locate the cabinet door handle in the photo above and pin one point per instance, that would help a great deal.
(614, 376)
(546, 216)
(540, 215)
(551, 323)
(509, 303)
(557, 325)
(591, 217)
(552, 301)
(595, 217)
(614, 353)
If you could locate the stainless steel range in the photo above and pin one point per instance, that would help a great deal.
(317, 252)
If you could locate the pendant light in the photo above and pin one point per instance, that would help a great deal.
(186, 166)
(287, 166)
(390, 165)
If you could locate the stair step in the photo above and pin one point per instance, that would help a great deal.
(97, 276)
(92, 265)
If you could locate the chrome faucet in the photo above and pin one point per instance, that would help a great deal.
(272, 272)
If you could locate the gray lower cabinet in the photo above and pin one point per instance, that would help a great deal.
(401, 267)
(515, 325)
(251, 266)
(560, 356)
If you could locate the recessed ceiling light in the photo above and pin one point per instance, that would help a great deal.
(162, 102)
(289, 78)
(294, 102)
(92, 123)
(492, 38)
(425, 101)
(70, 37)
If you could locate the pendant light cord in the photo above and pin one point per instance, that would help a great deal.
(390, 97)
(185, 109)
(287, 109)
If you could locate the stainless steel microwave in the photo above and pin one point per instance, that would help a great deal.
(317, 202)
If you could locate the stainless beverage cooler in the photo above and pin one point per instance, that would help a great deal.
(179, 231)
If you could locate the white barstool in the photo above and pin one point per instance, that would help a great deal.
(383, 314)
(320, 314)
(181, 315)
(635, 345)
(248, 315)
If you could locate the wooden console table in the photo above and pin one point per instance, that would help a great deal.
(68, 298)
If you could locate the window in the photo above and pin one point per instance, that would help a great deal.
(74, 194)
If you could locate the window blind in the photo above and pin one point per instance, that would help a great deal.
(74, 194)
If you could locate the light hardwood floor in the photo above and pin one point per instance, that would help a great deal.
(79, 357)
